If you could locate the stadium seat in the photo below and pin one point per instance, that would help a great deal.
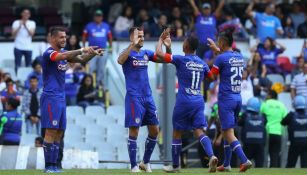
(94, 111)
(288, 79)
(105, 120)
(74, 133)
(116, 109)
(23, 73)
(83, 120)
(72, 110)
(40, 31)
(9, 63)
(285, 97)
(94, 132)
(28, 139)
(276, 78)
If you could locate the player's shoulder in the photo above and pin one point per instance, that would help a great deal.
(105, 24)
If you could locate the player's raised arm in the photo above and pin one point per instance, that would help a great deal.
(162, 57)
(135, 38)
(72, 55)
(194, 7)
(84, 58)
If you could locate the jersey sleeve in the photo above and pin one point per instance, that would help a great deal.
(150, 54)
(218, 62)
(206, 70)
(256, 15)
(278, 24)
(15, 24)
(175, 59)
(51, 54)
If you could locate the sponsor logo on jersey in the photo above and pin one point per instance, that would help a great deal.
(137, 62)
(63, 67)
(192, 91)
(191, 65)
(236, 62)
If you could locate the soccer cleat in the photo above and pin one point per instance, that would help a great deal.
(57, 170)
(171, 169)
(50, 170)
(145, 167)
(245, 166)
(135, 169)
(223, 169)
(213, 164)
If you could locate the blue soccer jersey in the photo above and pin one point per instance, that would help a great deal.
(230, 66)
(190, 72)
(205, 27)
(53, 74)
(189, 109)
(53, 105)
(97, 34)
(136, 75)
(140, 108)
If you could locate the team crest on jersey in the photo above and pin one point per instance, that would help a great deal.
(146, 57)
(137, 120)
(138, 63)
(54, 122)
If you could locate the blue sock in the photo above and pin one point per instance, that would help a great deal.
(132, 146)
(149, 147)
(227, 154)
(48, 152)
(176, 151)
(206, 144)
(56, 146)
(237, 148)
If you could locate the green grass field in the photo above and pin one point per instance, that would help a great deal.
(262, 171)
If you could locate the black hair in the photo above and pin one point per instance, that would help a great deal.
(228, 11)
(85, 77)
(227, 35)
(273, 94)
(33, 77)
(131, 30)
(9, 80)
(125, 9)
(54, 30)
(39, 139)
(271, 40)
(13, 102)
(193, 42)
(70, 47)
(35, 63)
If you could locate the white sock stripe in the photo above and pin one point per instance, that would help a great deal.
(202, 138)
(177, 144)
(151, 139)
(236, 147)
(226, 146)
(131, 140)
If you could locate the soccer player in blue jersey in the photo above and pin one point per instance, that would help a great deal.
(229, 65)
(140, 108)
(189, 109)
(53, 106)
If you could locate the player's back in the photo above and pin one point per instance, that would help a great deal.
(53, 74)
(231, 66)
(190, 72)
(136, 75)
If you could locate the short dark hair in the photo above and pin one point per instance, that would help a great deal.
(227, 35)
(13, 102)
(131, 30)
(273, 94)
(54, 30)
(35, 63)
(9, 80)
(39, 139)
(33, 77)
(193, 42)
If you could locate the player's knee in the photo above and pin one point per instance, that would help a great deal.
(153, 131)
(198, 133)
(177, 134)
(133, 131)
